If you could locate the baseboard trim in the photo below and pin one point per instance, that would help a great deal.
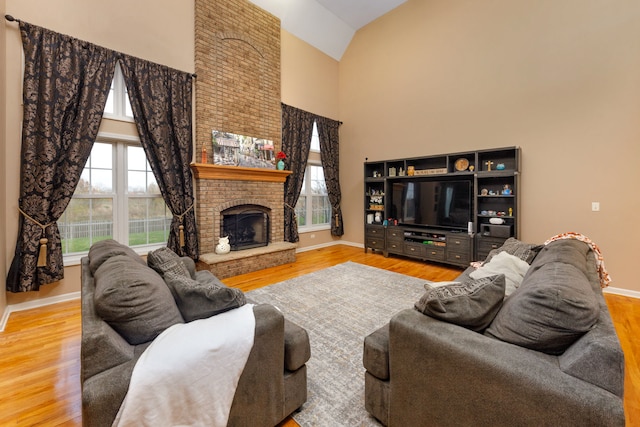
(326, 245)
(620, 291)
(35, 304)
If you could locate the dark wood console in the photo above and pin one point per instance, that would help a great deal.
(482, 221)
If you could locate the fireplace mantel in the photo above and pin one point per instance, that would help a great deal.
(238, 173)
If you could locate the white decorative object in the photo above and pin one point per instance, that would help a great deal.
(223, 246)
(496, 221)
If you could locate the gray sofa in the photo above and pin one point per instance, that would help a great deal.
(118, 325)
(548, 356)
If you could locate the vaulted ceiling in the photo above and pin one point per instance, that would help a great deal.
(328, 25)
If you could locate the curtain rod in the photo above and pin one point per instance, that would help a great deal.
(12, 19)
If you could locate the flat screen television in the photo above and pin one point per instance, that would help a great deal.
(438, 203)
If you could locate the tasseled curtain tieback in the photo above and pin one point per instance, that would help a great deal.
(181, 227)
(42, 255)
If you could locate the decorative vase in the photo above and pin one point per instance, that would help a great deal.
(280, 165)
(223, 246)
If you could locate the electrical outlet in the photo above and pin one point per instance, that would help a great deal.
(595, 206)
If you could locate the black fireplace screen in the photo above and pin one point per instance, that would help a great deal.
(247, 227)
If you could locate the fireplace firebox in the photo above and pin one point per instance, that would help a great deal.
(247, 226)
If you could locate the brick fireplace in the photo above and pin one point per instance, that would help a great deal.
(219, 188)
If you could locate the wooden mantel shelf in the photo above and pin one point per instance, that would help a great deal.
(238, 173)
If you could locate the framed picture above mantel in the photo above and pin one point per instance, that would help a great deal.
(230, 149)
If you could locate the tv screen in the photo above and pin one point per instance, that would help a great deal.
(433, 203)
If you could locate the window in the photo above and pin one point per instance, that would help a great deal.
(313, 209)
(117, 198)
(118, 106)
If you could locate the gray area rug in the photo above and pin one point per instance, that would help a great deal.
(339, 306)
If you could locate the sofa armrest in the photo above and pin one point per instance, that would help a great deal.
(438, 369)
(261, 384)
(297, 349)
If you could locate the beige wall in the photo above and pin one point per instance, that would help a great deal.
(560, 79)
(157, 30)
(3, 138)
(309, 82)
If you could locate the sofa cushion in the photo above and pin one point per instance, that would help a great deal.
(204, 298)
(164, 260)
(472, 304)
(554, 305)
(134, 299)
(105, 249)
(525, 251)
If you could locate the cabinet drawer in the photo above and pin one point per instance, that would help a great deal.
(486, 245)
(414, 249)
(458, 257)
(375, 231)
(396, 247)
(375, 243)
(458, 243)
(395, 234)
(435, 253)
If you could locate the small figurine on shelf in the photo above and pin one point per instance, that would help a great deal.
(506, 190)
(203, 154)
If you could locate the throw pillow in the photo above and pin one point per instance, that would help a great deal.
(513, 268)
(472, 304)
(204, 298)
(134, 300)
(105, 249)
(164, 260)
(553, 307)
(525, 251)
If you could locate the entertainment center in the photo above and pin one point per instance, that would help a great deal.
(450, 208)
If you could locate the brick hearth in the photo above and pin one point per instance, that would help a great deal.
(222, 187)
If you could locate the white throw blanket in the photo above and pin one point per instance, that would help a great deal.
(189, 374)
(513, 268)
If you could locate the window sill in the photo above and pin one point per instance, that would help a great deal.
(313, 228)
(74, 259)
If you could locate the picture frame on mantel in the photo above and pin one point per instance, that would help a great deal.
(230, 149)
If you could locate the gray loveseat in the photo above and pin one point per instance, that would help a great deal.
(547, 356)
(138, 305)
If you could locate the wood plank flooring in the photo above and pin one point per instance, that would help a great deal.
(40, 348)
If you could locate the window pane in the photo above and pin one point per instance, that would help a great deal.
(315, 139)
(101, 156)
(149, 221)
(101, 181)
(108, 109)
(152, 186)
(318, 185)
(84, 222)
(321, 210)
(84, 185)
(136, 159)
(301, 210)
(136, 182)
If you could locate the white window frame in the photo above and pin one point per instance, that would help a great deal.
(120, 98)
(314, 160)
(120, 196)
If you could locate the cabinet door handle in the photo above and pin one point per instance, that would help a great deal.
(494, 246)
(433, 252)
(457, 256)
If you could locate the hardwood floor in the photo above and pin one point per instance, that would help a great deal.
(40, 348)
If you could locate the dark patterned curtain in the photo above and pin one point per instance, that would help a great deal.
(297, 129)
(330, 155)
(161, 103)
(66, 84)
